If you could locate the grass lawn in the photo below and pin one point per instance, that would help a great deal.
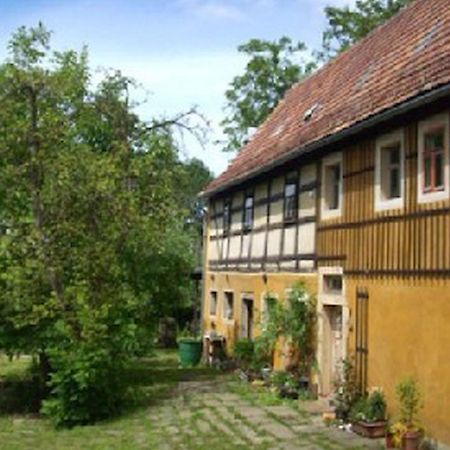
(136, 428)
(197, 409)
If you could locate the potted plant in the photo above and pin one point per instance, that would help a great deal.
(410, 399)
(389, 436)
(368, 415)
(190, 348)
(286, 384)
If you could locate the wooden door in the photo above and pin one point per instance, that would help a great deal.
(362, 335)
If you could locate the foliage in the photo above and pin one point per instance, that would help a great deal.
(273, 67)
(348, 25)
(294, 319)
(91, 227)
(244, 352)
(370, 408)
(188, 335)
(87, 386)
(410, 399)
(281, 378)
(347, 392)
(398, 430)
(377, 405)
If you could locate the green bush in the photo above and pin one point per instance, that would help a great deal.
(377, 406)
(370, 408)
(86, 386)
(288, 380)
(409, 397)
(347, 392)
(244, 352)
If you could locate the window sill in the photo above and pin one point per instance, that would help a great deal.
(395, 203)
(330, 213)
(435, 196)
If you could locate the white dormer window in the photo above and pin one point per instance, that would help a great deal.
(433, 159)
(332, 181)
(389, 171)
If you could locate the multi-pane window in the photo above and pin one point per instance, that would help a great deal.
(213, 303)
(332, 189)
(290, 199)
(390, 159)
(389, 171)
(332, 186)
(433, 160)
(226, 215)
(248, 212)
(228, 306)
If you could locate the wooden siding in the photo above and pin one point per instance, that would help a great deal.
(410, 241)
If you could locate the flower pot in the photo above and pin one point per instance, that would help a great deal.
(370, 429)
(411, 440)
(190, 351)
(389, 438)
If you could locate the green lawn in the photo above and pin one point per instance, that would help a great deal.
(196, 409)
(135, 428)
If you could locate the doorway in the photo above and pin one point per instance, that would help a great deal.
(247, 318)
(334, 351)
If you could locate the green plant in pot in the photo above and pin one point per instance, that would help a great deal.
(368, 415)
(410, 399)
(190, 348)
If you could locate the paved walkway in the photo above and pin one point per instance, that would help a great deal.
(210, 415)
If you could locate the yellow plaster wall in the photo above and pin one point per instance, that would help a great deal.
(256, 284)
(409, 334)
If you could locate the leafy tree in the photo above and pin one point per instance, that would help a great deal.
(89, 219)
(273, 67)
(348, 25)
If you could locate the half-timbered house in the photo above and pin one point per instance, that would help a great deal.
(346, 186)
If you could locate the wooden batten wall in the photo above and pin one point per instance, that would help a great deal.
(413, 241)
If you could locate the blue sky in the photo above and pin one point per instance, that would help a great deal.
(183, 52)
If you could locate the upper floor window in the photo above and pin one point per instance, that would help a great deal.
(228, 306)
(389, 171)
(332, 186)
(226, 215)
(213, 303)
(433, 159)
(290, 198)
(248, 212)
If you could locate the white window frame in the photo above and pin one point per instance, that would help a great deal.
(331, 298)
(331, 160)
(224, 305)
(217, 302)
(424, 126)
(382, 204)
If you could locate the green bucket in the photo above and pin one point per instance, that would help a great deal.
(190, 352)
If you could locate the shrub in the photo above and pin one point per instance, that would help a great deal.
(244, 352)
(86, 386)
(409, 397)
(369, 409)
(377, 406)
(347, 393)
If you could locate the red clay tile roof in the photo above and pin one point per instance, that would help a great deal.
(407, 56)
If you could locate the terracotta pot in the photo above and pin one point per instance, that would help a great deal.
(370, 429)
(411, 440)
(389, 437)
